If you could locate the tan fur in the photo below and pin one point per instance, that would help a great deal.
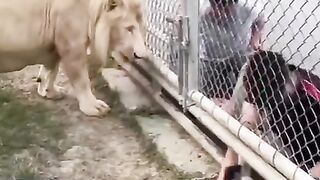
(125, 15)
(51, 32)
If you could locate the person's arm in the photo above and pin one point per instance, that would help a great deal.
(315, 171)
(257, 32)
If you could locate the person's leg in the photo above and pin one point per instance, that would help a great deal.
(229, 162)
(231, 167)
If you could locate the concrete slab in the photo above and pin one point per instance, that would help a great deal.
(177, 146)
(171, 141)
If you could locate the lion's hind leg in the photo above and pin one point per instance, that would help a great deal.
(46, 79)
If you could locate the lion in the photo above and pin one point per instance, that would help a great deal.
(59, 32)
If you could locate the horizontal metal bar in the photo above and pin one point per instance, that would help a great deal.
(181, 119)
(266, 170)
(267, 152)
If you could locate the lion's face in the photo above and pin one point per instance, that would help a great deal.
(127, 35)
(128, 39)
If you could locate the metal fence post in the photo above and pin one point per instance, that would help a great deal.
(191, 67)
(176, 39)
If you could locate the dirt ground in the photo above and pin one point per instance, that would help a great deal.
(47, 139)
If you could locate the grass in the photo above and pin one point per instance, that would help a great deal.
(25, 126)
(27, 173)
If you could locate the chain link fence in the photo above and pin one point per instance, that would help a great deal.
(224, 43)
(161, 33)
(285, 89)
(283, 83)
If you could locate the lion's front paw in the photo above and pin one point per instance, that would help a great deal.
(94, 108)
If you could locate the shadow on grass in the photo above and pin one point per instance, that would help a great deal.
(25, 126)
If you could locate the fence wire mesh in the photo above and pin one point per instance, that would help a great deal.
(283, 82)
(161, 33)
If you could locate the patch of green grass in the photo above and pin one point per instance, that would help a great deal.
(25, 126)
(27, 174)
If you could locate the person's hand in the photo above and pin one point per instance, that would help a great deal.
(315, 171)
(256, 43)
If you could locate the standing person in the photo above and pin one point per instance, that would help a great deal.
(229, 30)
